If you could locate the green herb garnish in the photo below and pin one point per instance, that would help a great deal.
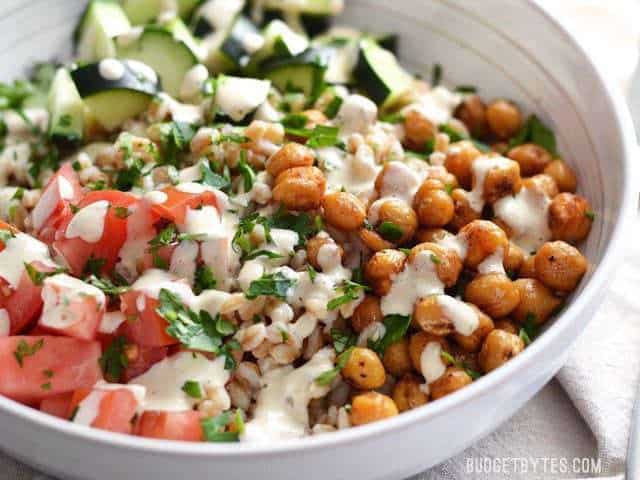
(396, 327)
(270, 285)
(24, 350)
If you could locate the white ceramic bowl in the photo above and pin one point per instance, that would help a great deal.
(511, 49)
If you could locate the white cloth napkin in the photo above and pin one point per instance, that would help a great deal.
(584, 413)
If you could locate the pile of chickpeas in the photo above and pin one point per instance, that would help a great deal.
(536, 285)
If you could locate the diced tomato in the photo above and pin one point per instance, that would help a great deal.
(58, 405)
(77, 251)
(71, 307)
(175, 207)
(163, 254)
(144, 327)
(34, 368)
(24, 304)
(116, 411)
(76, 397)
(184, 426)
(147, 358)
(54, 206)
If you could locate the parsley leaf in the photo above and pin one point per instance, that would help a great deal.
(6, 235)
(327, 377)
(436, 75)
(294, 120)
(213, 179)
(331, 111)
(107, 286)
(449, 359)
(342, 339)
(214, 429)
(204, 279)
(302, 224)
(113, 361)
(350, 291)
(534, 131)
(37, 277)
(396, 327)
(466, 89)
(248, 175)
(262, 253)
(174, 140)
(25, 350)
(271, 285)
(192, 389)
(390, 231)
(454, 135)
(529, 330)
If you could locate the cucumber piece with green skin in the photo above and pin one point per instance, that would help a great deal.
(101, 21)
(341, 47)
(311, 16)
(141, 12)
(170, 57)
(304, 72)
(231, 51)
(66, 109)
(379, 74)
(237, 98)
(114, 90)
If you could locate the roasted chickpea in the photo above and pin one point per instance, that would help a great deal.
(507, 326)
(300, 188)
(502, 181)
(440, 173)
(536, 301)
(532, 158)
(570, 217)
(396, 358)
(494, 293)
(542, 183)
(560, 266)
(472, 343)
(473, 113)
(453, 379)
(418, 130)
(373, 240)
(314, 117)
(514, 259)
(315, 244)
(289, 156)
(447, 262)
(463, 214)
(498, 348)
(366, 313)
(563, 175)
(504, 118)
(528, 267)
(381, 267)
(433, 205)
(429, 316)
(483, 239)
(417, 344)
(395, 211)
(460, 157)
(408, 394)
(364, 369)
(344, 211)
(371, 407)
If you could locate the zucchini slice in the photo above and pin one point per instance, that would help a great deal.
(281, 41)
(380, 75)
(216, 16)
(303, 73)
(101, 21)
(341, 47)
(310, 16)
(236, 97)
(165, 51)
(141, 12)
(232, 50)
(115, 90)
(66, 109)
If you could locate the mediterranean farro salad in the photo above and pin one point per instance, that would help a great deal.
(232, 221)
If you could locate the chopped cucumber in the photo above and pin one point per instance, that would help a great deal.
(165, 51)
(216, 16)
(341, 47)
(114, 90)
(380, 75)
(101, 22)
(141, 12)
(280, 41)
(310, 16)
(303, 73)
(66, 109)
(236, 97)
(231, 51)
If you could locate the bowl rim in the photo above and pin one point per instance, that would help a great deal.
(567, 322)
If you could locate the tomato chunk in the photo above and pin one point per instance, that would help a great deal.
(184, 426)
(109, 407)
(174, 208)
(37, 367)
(54, 206)
(144, 326)
(147, 357)
(97, 231)
(71, 307)
(58, 405)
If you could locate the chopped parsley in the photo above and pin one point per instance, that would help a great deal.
(312, 273)
(122, 212)
(435, 259)
(529, 330)
(107, 286)
(94, 266)
(18, 194)
(534, 131)
(343, 339)
(270, 285)
(204, 279)
(6, 235)
(396, 327)
(450, 360)
(454, 135)
(214, 429)
(174, 140)
(466, 89)
(241, 240)
(321, 136)
(393, 118)
(294, 120)
(332, 109)
(590, 215)
(436, 75)
(213, 179)
(262, 253)
(37, 277)
(248, 175)
(24, 350)
(390, 231)
(192, 389)
(114, 361)
(327, 377)
(350, 291)
(232, 138)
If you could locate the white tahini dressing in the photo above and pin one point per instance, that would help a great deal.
(89, 407)
(281, 409)
(418, 280)
(437, 105)
(59, 189)
(493, 263)
(88, 222)
(20, 250)
(5, 323)
(111, 69)
(164, 381)
(193, 81)
(464, 318)
(355, 173)
(431, 364)
(60, 293)
(238, 97)
(480, 168)
(356, 115)
(110, 322)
